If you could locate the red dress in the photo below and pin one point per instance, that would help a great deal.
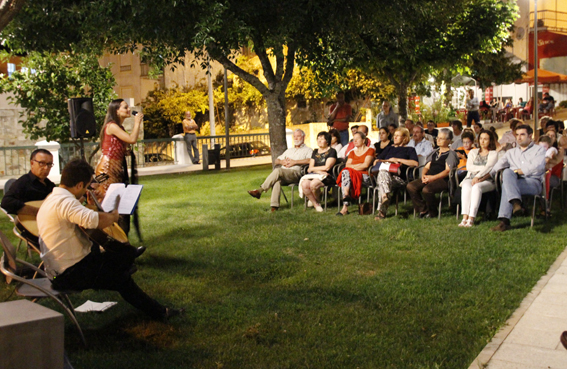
(111, 161)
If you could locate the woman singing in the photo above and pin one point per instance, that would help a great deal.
(114, 141)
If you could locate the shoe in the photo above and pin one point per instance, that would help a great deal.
(501, 227)
(517, 209)
(319, 208)
(469, 224)
(139, 251)
(424, 215)
(133, 269)
(339, 214)
(381, 216)
(255, 193)
(309, 204)
(463, 223)
(170, 313)
(563, 339)
(274, 209)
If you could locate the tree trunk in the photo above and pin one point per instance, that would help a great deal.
(402, 91)
(276, 120)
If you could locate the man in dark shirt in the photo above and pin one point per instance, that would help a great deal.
(30, 187)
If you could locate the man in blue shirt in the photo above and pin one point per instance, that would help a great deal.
(524, 167)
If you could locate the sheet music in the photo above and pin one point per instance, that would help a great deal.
(128, 198)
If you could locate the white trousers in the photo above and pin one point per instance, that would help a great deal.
(471, 195)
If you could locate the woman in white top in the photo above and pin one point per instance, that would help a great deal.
(478, 180)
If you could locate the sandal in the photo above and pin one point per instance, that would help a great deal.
(463, 223)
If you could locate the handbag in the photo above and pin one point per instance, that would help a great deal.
(365, 208)
(391, 167)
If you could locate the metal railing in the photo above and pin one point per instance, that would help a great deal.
(15, 160)
(552, 20)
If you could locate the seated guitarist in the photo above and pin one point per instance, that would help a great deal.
(32, 186)
(71, 260)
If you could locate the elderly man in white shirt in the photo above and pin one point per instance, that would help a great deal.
(289, 170)
(422, 146)
(71, 260)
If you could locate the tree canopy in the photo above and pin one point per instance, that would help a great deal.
(165, 30)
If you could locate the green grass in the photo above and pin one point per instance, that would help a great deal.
(298, 289)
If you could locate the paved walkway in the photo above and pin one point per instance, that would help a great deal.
(530, 338)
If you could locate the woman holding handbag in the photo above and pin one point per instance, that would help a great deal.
(391, 167)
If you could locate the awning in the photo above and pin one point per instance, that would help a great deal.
(543, 76)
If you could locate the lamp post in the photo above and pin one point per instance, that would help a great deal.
(535, 105)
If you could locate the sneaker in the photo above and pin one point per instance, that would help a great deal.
(309, 204)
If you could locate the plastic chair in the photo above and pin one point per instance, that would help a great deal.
(34, 289)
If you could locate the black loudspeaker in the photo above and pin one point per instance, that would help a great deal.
(83, 122)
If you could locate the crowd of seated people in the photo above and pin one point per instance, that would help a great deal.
(473, 165)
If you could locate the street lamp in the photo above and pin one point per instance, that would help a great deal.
(535, 105)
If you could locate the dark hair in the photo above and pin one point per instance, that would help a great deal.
(327, 136)
(552, 123)
(75, 172)
(430, 121)
(514, 123)
(355, 126)
(478, 125)
(457, 123)
(336, 134)
(545, 139)
(467, 134)
(409, 120)
(392, 125)
(40, 151)
(493, 130)
(111, 115)
(526, 127)
(491, 139)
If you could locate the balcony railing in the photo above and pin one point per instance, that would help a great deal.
(15, 160)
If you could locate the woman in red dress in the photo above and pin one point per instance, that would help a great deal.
(114, 143)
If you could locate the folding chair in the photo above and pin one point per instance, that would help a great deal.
(34, 288)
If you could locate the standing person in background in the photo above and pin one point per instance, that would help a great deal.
(114, 141)
(386, 116)
(472, 108)
(339, 117)
(190, 130)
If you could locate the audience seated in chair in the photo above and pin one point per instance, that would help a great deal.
(384, 141)
(335, 140)
(423, 147)
(508, 140)
(355, 173)
(435, 176)
(522, 170)
(33, 186)
(319, 171)
(345, 151)
(388, 180)
(478, 180)
(289, 170)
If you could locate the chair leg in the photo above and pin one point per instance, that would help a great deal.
(440, 204)
(397, 201)
(533, 211)
(326, 189)
(292, 187)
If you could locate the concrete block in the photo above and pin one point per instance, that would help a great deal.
(32, 336)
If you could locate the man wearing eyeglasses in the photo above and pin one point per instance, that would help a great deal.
(33, 186)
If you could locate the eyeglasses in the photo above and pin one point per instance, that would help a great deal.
(44, 164)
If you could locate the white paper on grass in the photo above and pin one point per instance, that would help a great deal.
(95, 306)
(129, 196)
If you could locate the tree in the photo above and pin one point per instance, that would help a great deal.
(213, 29)
(43, 87)
(8, 10)
(420, 37)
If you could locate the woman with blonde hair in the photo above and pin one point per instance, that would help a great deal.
(391, 166)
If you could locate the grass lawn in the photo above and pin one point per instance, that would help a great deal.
(299, 289)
